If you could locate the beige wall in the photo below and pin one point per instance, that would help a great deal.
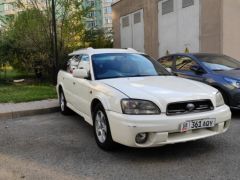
(219, 25)
(211, 26)
(231, 28)
(150, 10)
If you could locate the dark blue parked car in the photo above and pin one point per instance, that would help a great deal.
(219, 71)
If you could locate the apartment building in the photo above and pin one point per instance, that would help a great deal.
(101, 14)
(99, 17)
(107, 13)
(94, 19)
(159, 27)
(9, 7)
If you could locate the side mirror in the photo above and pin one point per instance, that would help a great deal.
(80, 73)
(197, 69)
(169, 70)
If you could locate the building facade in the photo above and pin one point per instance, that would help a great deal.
(159, 27)
(7, 8)
(101, 14)
(107, 13)
(99, 17)
(10, 7)
(95, 19)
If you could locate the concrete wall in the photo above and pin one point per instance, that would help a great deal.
(132, 31)
(219, 25)
(179, 30)
(211, 26)
(231, 28)
(150, 9)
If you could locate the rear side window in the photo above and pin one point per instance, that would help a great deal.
(184, 63)
(84, 62)
(166, 62)
(73, 63)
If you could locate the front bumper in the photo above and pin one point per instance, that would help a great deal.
(163, 129)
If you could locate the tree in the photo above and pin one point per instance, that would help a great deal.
(99, 38)
(29, 35)
(27, 39)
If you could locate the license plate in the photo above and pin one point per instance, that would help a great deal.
(197, 124)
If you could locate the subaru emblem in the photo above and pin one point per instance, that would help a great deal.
(190, 107)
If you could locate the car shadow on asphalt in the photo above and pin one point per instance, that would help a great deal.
(169, 152)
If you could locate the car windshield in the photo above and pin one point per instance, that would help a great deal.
(120, 65)
(219, 62)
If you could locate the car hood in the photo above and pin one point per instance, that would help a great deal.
(162, 89)
(235, 74)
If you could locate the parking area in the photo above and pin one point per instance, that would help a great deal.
(53, 146)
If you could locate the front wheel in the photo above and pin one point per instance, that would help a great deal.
(101, 128)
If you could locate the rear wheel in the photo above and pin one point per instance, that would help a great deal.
(63, 104)
(102, 130)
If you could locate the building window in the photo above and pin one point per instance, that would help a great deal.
(125, 21)
(167, 7)
(92, 14)
(108, 10)
(92, 24)
(91, 3)
(108, 20)
(187, 3)
(7, 7)
(137, 17)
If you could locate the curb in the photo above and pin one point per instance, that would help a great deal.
(13, 111)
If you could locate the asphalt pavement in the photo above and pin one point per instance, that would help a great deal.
(53, 146)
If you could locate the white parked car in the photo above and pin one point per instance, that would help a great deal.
(131, 99)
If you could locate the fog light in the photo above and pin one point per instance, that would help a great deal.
(141, 138)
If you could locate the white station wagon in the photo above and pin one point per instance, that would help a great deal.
(130, 99)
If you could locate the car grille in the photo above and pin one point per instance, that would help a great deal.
(188, 107)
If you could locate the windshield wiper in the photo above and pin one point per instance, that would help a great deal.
(141, 75)
(218, 70)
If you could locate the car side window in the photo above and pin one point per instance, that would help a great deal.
(73, 63)
(184, 63)
(167, 62)
(84, 62)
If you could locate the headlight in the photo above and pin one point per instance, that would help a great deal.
(219, 100)
(233, 82)
(139, 107)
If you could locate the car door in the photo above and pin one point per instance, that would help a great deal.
(68, 79)
(81, 88)
(182, 68)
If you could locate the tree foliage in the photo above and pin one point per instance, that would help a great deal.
(26, 41)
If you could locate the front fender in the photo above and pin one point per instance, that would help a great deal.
(110, 101)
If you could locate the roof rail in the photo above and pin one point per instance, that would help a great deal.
(133, 50)
(90, 48)
(76, 52)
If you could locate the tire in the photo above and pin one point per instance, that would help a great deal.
(63, 104)
(102, 132)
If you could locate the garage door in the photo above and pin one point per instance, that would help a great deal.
(132, 31)
(178, 25)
